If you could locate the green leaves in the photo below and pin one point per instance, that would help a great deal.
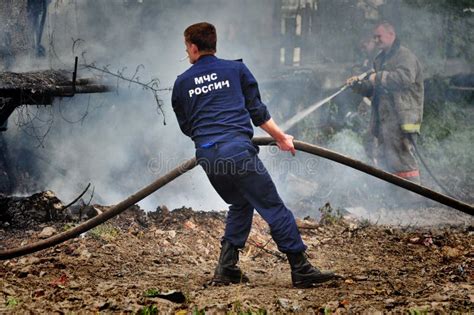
(12, 302)
(151, 292)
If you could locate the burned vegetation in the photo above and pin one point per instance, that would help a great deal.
(143, 260)
(41, 88)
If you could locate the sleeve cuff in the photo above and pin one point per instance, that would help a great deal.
(261, 120)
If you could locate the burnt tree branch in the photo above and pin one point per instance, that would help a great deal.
(40, 88)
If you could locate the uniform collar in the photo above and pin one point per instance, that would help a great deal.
(395, 47)
(206, 58)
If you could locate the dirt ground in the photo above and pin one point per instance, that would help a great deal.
(162, 262)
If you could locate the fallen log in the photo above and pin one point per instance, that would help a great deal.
(41, 88)
(45, 96)
(38, 80)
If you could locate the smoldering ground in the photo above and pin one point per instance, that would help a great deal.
(118, 141)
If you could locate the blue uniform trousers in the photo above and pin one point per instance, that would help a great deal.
(241, 179)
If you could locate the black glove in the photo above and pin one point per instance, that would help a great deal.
(362, 87)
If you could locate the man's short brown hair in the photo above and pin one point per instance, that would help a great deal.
(203, 35)
(386, 25)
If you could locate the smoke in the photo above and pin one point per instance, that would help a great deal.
(119, 142)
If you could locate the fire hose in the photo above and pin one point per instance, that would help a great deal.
(295, 119)
(428, 169)
(190, 164)
(301, 115)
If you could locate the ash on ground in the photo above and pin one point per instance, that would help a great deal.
(140, 261)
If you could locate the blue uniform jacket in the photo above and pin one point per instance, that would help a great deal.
(215, 99)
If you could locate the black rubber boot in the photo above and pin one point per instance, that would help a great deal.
(227, 271)
(303, 274)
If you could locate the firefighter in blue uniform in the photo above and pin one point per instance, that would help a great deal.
(215, 101)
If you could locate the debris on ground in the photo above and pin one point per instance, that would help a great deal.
(162, 261)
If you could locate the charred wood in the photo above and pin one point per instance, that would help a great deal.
(52, 82)
(40, 88)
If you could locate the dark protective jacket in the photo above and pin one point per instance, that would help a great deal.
(398, 92)
(215, 100)
(398, 88)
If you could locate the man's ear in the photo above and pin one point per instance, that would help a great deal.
(194, 48)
